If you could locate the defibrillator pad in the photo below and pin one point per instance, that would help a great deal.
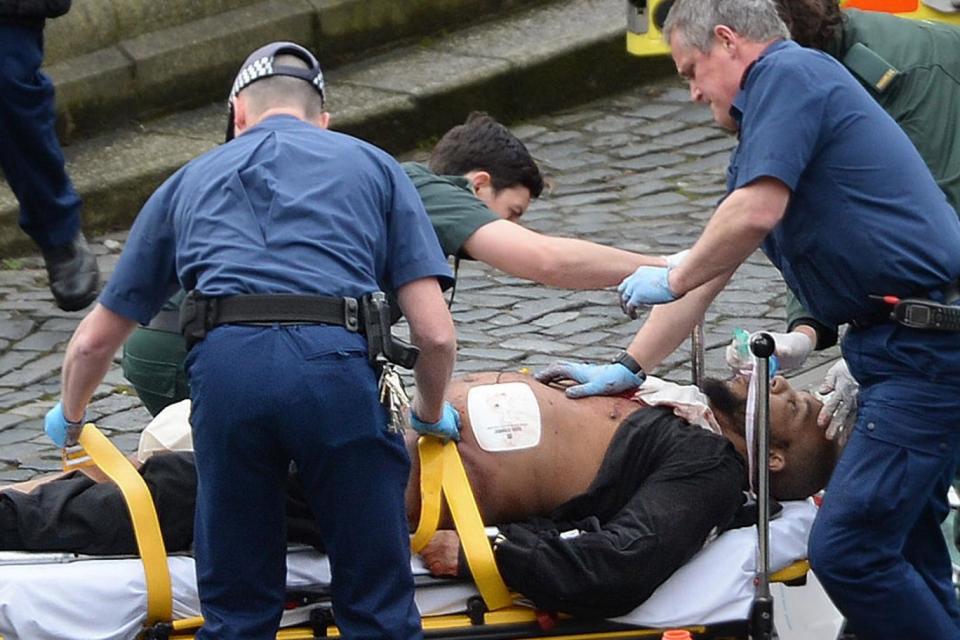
(505, 417)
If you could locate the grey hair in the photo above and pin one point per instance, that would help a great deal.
(694, 21)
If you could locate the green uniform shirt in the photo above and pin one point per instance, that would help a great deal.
(923, 97)
(454, 211)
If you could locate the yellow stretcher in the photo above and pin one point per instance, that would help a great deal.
(645, 17)
(491, 615)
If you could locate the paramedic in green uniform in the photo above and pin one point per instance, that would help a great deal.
(479, 181)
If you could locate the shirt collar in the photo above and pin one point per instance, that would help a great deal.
(736, 109)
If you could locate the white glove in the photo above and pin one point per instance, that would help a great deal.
(791, 350)
(674, 259)
(839, 394)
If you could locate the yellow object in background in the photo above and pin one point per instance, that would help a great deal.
(645, 17)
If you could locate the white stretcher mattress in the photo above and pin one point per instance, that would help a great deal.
(104, 599)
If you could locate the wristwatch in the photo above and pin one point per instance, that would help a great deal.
(627, 360)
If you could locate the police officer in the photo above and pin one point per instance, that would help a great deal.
(276, 234)
(846, 209)
(30, 154)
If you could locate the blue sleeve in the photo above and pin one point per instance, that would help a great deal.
(145, 276)
(782, 110)
(413, 251)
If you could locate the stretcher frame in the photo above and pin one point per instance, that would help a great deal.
(645, 39)
(493, 614)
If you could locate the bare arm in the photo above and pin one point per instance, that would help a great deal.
(737, 228)
(558, 262)
(88, 357)
(431, 329)
(668, 325)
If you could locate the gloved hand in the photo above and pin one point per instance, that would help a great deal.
(59, 429)
(594, 379)
(674, 259)
(447, 427)
(839, 394)
(792, 349)
(646, 286)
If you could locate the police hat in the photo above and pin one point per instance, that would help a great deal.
(260, 65)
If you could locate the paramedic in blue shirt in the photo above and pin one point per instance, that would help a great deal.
(841, 202)
(287, 207)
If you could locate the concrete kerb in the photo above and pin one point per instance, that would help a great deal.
(394, 100)
(137, 66)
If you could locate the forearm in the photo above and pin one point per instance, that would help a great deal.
(431, 330)
(432, 374)
(579, 264)
(88, 357)
(561, 262)
(737, 228)
(669, 325)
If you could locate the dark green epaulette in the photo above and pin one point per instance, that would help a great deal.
(869, 67)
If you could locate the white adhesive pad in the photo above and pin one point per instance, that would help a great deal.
(505, 417)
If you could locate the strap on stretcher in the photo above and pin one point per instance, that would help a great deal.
(146, 527)
(442, 472)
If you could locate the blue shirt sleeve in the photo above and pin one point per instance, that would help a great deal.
(145, 276)
(413, 251)
(781, 124)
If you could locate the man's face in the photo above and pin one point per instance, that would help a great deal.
(509, 203)
(713, 77)
(793, 416)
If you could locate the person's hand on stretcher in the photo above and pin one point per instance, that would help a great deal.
(446, 428)
(838, 391)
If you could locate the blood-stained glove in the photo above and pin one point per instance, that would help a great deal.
(62, 431)
(594, 379)
(447, 427)
(646, 286)
(792, 349)
(839, 394)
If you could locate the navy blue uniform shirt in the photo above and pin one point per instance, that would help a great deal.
(865, 216)
(286, 207)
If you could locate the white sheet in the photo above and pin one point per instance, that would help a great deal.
(105, 599)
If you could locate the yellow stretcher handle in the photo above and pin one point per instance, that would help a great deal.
(146, 527)
(442, 468)
(431, 483)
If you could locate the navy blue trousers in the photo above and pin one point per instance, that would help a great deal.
(876, 544)
(263, 396)
(30, 154)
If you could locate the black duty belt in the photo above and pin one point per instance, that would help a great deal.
(370, 316)
(283, 308)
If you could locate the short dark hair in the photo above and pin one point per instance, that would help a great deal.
(483, 144)
(812, 23)
(806, 472)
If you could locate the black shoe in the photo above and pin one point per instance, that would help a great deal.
(74, 276)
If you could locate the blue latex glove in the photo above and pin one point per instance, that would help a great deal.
(59, 429)
(447, 427)
(593, 379)
(646, 286)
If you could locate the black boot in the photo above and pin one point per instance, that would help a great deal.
(74, 276)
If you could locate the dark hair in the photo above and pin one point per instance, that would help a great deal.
(805, 473)
(812, 23)
(483, 144)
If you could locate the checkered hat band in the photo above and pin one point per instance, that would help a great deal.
(263, 67)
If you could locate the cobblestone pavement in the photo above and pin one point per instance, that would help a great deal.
(641, 170)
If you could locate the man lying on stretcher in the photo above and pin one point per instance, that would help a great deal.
(605, 497)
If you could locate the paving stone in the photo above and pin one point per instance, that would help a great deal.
(15, 359)
(16, 328)
(42, 341)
